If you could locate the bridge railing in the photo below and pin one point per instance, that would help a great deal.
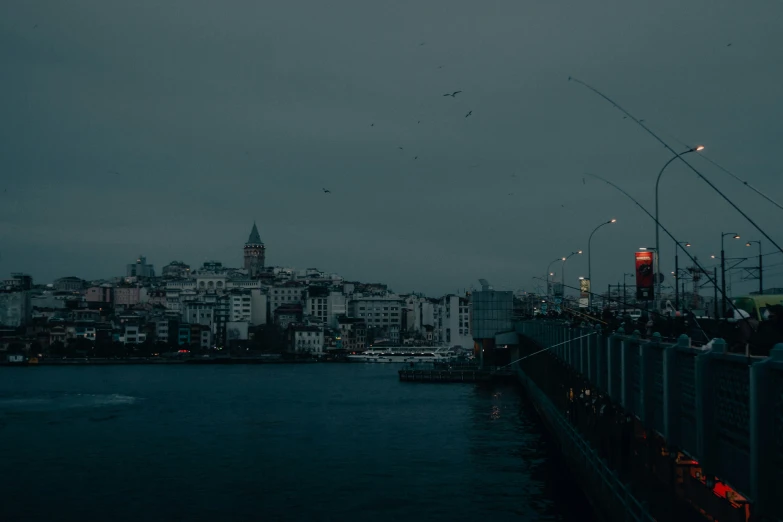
(723, 409)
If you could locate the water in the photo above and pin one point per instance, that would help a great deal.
(338, 442)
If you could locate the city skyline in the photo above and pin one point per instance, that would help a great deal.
(130, 131)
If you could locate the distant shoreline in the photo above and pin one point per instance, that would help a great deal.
(157, 361)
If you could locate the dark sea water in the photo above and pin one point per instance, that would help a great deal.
(338, 442)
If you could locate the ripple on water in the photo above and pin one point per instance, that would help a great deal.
(62, 401)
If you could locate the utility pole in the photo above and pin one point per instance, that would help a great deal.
(715, 280)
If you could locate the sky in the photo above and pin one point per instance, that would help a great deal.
(165, 129)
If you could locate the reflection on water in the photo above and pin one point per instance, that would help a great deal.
(313, 442)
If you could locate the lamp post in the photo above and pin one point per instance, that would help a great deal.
(562, 268)
(723, 270)
(698, 148)
(550, 273)
(761, 273)
(589, 266)
(677, 273)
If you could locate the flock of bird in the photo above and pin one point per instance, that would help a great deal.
(452, 94)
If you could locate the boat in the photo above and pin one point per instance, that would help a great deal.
(402, 354)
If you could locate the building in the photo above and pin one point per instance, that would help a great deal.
(176, 270)
(199, 312)
(287, 314)
(15, 308)
(254, 253)
(492, 314)
(127, 295)
(305, 339)
(133, 334)
(140, 268)
(378, 311)
(69, 284)
(99, 294)
(325, 305)
(353, 334)
(289, 293)
(18, 281)
(240, 308)
(454, 321)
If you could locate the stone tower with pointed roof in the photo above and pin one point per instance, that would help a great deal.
(255, 253)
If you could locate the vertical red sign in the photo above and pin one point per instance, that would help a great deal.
(645, 276)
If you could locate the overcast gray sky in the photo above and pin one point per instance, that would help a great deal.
(164, 128)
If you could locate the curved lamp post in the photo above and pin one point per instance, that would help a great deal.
(589, 265)
(549, 273)
(698, 148)
(562, 268)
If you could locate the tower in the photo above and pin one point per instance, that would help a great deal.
(255, 253)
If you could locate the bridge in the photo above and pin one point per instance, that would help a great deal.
(655, 428)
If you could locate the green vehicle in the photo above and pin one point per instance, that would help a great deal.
(757, 305)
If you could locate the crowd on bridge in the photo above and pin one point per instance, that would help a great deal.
(742, 334)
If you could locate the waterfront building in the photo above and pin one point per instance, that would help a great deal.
(140, 268)
(352, 334)
(305, 339)
(492, 315)
(454, 321)
(254, 253)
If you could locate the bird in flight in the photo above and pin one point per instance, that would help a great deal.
(453, 94)
(422, 43)
(400, 148)
(415, 157)
(372, 125)
(418, 121)
(513, 175)
(327, 191)
(469, 113)
(440, 67)
(729, 45)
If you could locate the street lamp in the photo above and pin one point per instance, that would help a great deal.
(562, 268)
(761, 275)
(550, 273)
(677, 273)
(723, 269)
(589, 266)
(698, 148)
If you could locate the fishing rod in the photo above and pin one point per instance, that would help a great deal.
(692, 258)
(727, 171)
(549, 348)
(677, 156)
